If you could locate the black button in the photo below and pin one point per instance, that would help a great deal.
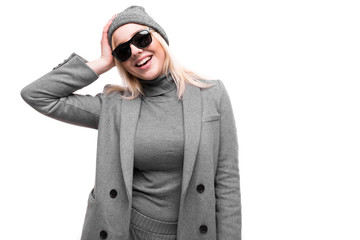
(113, 193)
(200, 188)
(203, 228)
(103, 234)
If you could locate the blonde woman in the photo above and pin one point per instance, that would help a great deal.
(167, 157)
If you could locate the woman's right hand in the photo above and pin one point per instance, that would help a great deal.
(106, 61)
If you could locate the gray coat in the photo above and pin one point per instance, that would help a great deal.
(210, 198)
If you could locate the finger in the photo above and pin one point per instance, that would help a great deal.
(106, 29)
(107, 25)
(104, 39)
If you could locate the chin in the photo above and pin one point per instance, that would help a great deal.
(149, 75)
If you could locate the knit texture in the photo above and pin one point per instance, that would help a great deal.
(159, 151)
(135, 14)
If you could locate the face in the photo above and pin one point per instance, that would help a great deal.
(153, 67)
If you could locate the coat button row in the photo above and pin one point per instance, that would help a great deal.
(103, 234)
(203, 229)
(60, 64)
(200, 188)
(113, 193)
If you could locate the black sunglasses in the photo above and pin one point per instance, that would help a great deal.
(141, 39)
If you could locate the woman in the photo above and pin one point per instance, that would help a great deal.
(167, 159)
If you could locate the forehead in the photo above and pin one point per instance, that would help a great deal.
(125, 32)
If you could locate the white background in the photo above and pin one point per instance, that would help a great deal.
(291, 69)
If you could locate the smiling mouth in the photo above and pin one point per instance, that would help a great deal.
(143, 62)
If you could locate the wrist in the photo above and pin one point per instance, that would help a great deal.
(100, 65)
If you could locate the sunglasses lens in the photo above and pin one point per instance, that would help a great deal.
(122, 52)
(142, 39)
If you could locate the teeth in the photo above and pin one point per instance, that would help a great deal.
(143, 61)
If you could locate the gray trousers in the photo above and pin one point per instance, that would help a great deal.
(143, 227)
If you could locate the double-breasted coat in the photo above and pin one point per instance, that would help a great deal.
(210, 194)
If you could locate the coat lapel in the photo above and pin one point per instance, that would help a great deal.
(130, 111)
(192, 110)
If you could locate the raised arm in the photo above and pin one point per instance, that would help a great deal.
(53, 94)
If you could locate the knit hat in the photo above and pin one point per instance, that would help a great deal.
(135, 14)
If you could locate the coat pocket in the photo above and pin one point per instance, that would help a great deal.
(91, 229)
(210, 118)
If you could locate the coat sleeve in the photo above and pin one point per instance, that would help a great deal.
(227, 179)
(53, 93)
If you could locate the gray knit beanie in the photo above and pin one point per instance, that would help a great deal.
(135, 14)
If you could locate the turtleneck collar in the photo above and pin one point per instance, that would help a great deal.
(158, 86)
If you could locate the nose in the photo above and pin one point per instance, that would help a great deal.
(135, 50)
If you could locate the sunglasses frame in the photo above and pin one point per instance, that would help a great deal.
(148, 30)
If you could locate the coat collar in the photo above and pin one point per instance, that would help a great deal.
(130, 111)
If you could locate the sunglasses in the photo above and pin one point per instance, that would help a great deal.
(141, 39)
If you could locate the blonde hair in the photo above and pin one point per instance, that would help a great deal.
(180, 75)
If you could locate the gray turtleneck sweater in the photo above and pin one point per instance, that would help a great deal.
(159, 151)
